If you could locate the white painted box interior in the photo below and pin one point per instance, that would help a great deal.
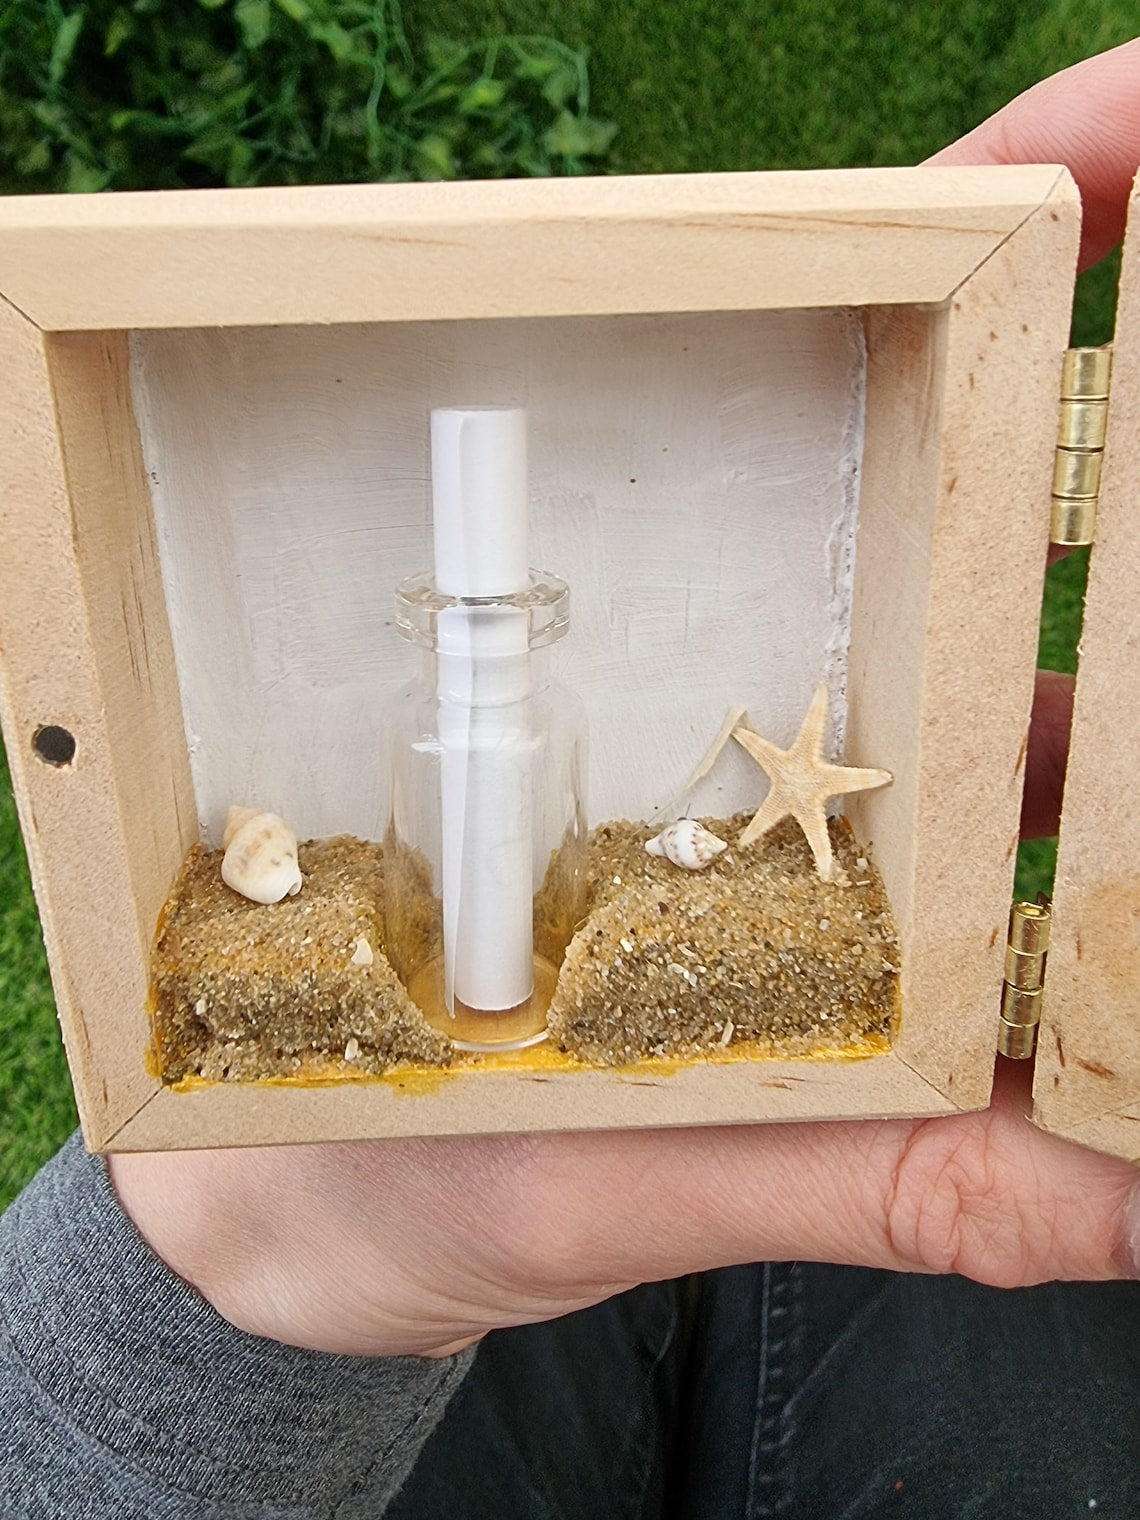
(693, 477)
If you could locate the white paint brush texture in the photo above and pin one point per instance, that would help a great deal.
(694, 478)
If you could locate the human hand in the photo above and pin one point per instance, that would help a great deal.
(422, 1246)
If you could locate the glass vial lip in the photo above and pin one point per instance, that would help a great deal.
(546, 602)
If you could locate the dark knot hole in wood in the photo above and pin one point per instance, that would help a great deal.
(54, 745)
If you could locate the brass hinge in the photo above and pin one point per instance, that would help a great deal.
(1085, 381)
(1026, 950)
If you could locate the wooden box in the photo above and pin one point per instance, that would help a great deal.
(195, 384)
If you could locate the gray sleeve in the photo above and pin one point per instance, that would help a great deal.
(122, 1392)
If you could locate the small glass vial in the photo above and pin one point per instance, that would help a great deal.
(485, 851)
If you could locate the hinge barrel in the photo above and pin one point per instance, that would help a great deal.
(1027, 949)
(1085, 382)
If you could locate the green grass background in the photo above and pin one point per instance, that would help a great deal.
(692, 85)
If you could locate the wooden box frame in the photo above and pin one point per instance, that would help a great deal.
(964, 278)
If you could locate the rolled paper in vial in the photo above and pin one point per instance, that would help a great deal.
(484, 691)
(485, 736)
(479, 501)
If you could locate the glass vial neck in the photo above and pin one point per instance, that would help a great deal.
(427, 617)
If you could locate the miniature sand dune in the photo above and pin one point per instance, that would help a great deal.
(244, 990)
(753, 948)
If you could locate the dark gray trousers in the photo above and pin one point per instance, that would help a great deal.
(813, 1392)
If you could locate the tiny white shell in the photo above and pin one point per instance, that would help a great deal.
(686, 843)
(362, 955)
(261, 859)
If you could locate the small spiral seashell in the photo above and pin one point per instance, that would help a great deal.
(261, 859)
(686, 843)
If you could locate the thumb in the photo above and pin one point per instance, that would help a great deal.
(987, 1195)
(1087, 118)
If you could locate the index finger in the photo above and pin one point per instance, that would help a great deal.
(1087, 118)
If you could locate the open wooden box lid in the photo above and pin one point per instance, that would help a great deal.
(1087, 1078)
(962, 284)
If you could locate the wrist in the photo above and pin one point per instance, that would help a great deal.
(193, 1212)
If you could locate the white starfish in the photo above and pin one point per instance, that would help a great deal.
(802, 782)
